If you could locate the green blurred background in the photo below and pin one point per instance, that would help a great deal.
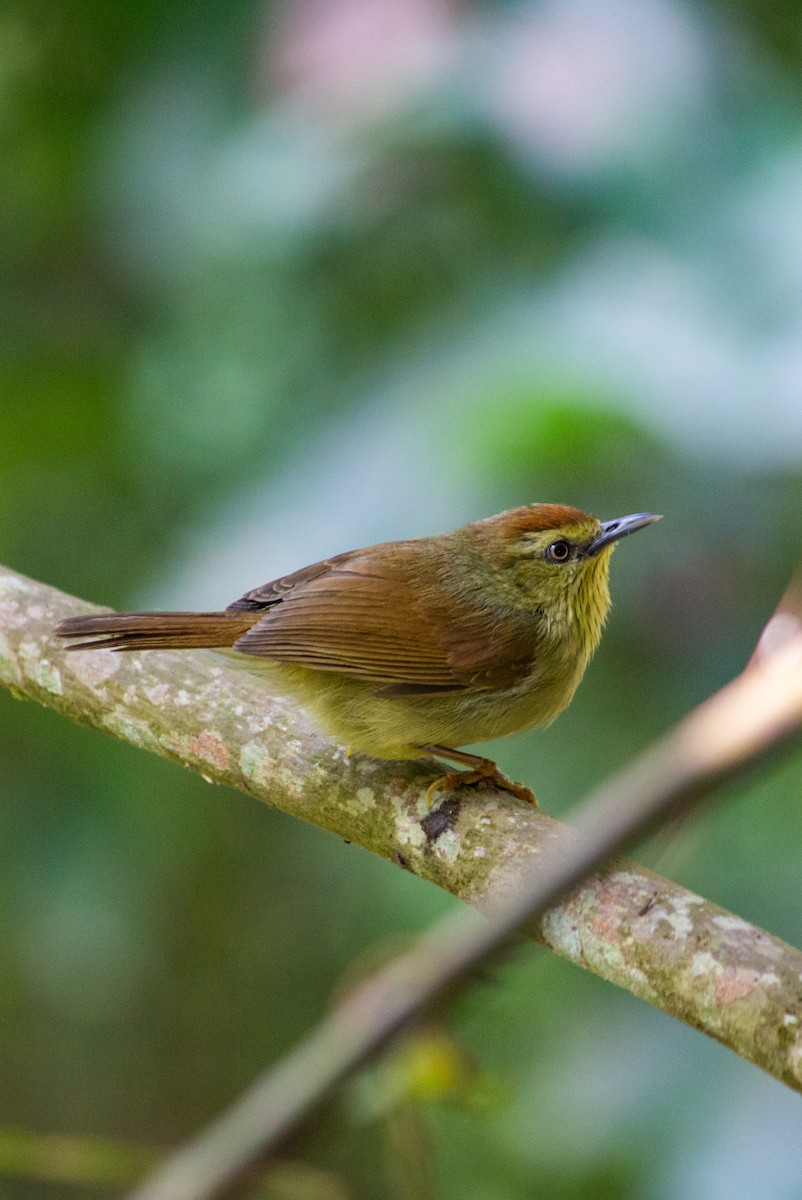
(282, 279)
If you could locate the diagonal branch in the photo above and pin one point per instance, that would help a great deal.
(705, 966)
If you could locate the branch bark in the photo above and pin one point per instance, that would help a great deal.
(672, 948)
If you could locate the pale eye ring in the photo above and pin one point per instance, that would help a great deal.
(559, 552)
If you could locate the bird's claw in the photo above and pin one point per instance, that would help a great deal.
(459, 779)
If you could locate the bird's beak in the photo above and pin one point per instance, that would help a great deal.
(619, 528)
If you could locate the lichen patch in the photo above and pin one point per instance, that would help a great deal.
(8, 663)
(362, 801)
(120, 721)
(732, 924)
(210, 748)
(13, 583)
(408, 828)
(668, 917)
(256, 764)
(734, 983)
(703, 963)
(49, 677)
(562, 933)
(448, 846)
(92, 668)
(40, 669)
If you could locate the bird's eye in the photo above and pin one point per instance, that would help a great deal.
(559, 552)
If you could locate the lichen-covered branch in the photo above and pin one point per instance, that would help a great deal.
(646, 934)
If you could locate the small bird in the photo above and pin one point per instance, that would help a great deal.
(410, 649)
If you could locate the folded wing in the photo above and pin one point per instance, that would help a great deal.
(360, 614)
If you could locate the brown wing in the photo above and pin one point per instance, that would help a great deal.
(358, 614)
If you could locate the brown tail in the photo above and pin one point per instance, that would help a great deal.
(158, 631)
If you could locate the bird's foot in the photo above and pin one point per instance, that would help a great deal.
(511, 785)
(450, 781)
(485, 770)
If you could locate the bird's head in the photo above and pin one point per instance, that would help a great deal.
(560, 558)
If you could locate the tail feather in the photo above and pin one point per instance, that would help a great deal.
(157, 631)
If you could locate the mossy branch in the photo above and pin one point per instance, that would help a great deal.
(646, 934)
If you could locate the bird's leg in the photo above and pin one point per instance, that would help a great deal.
(478, 769)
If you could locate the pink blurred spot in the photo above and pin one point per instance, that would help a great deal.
(356, 56)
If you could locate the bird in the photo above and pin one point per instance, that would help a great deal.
(417, 648)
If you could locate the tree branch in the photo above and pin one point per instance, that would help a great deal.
(680, 952)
